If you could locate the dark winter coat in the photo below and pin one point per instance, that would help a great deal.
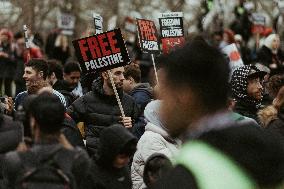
(11, 134)
(72, 162)
(142, 94)
(277, 124)
(63, 87)
(7, 65)
(72, 132)
(266, 57)
(246, 109)
(103, 175)
(98, 111)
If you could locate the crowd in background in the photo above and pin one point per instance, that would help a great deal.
(199, 127)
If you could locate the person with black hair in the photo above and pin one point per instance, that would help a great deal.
(156, 166)
(55, 72)
(194, 89)
(247, 89)
(110, 169)
(51, 153)
(69, 83)
(35, 75)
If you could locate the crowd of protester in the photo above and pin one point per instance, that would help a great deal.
(201, 126)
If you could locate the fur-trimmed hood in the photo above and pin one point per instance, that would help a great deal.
(266, 115)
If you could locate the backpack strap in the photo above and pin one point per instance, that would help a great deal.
(213, 169)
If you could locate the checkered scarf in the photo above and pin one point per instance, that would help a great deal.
(239, 85)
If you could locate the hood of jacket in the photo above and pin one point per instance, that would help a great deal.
(239, 84)
(112, 140)
(145, 87)
(151, 113)
(266, 115)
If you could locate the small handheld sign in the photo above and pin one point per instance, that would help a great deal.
(148, 36)
(233, 54)
(258, 23)
(102, 51)
(27, 42)
(172, 32)
(148, 39)
(281, 6)
(98, 21)
(66, 22)
(258, 26)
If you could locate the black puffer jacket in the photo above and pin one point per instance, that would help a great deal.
(11, 134)
(98, 110)
(103, 175)
(74, 163)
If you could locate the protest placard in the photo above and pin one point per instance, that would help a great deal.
(172, 32)
(281, 6)
(102, 51)
(98, 22)
(258, 21)
(27, 43)
(171, 24)
(233, 54)
(66, 22)
(148, 36)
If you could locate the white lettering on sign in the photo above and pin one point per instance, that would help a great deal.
(170, 14)
(171, 22)
(150, 45)
(172, 33)
(104, 61)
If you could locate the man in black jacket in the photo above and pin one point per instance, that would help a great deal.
(99, 109)
(110, 169)
(194, 89)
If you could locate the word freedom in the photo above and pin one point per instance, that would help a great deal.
(104, 61)
(171, 22)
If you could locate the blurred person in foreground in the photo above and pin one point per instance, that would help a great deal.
(194, 90)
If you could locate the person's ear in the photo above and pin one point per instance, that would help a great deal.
(32, 123)
(53, 76)
(104, 75)
(131, 80)
(40, 73)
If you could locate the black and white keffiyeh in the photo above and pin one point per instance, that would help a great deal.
(239, 84)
